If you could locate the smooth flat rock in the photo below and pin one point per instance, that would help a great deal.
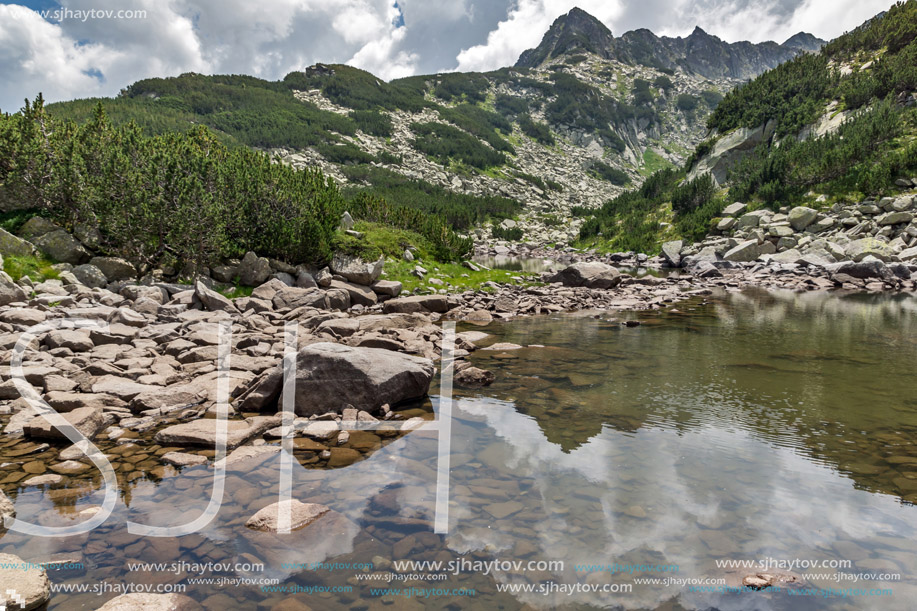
(87, 420)
(247, 455)
(301, 515)
(203, 432)
(417, 304)
(183, 459)
(144, 601)
(121, 387)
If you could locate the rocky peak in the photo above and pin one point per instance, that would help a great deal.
(575, 30)
(699, 53)
(804, 42)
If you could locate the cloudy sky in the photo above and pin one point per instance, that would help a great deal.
(84, 48)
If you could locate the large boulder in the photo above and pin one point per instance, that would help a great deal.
(331, 377)
(36, 227)
(895, 218)
(61, 246)
(801, 217)
(10, 291)
(860, 249)
(114, 268)
(254, 270)
(356, 269)
(417, 304)
(213, 301)
(28, 581)
(672, 252)
(291, 298)
(872, 268)
(746, 251)
(11, 245)
(358, 294)
(789, 257)
(388, 288)
(589, 275)
(736, 209)
(90, 275)
(87, 420)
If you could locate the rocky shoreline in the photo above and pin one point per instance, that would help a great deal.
(139, 376)
(141, 382)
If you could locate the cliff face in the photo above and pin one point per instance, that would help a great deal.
(700, 53)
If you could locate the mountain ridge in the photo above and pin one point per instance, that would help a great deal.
(700, 53)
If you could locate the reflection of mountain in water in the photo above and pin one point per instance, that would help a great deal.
(811, 371)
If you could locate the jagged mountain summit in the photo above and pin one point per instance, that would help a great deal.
(700, 53)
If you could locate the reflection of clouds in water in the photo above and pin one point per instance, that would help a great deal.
(749, 497)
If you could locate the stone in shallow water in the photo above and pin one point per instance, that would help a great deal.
(32, 584)
(48, 479)
(502, 346)
(138, 601)
(504, 510)
(329, 377)
(341, 457)
(7, 509)
(246, 455)
(183, 459)
(70, 467)
(204, 432)
(472, 377)
(301, 515)
(87, 420)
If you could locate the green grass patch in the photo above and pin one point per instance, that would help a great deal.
(379, 240)
(653, 162)
(235, 290)
(456, 277)
(36, 268)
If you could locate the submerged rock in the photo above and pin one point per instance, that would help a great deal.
(143, 601)
(301, 515)
(472, 377)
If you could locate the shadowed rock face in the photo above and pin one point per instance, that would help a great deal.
(332, 377)
(575, 30)
(700, 52)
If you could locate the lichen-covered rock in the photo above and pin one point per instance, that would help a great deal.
(114, 268)
(61, 246)
(356, 269)
(254, 270)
